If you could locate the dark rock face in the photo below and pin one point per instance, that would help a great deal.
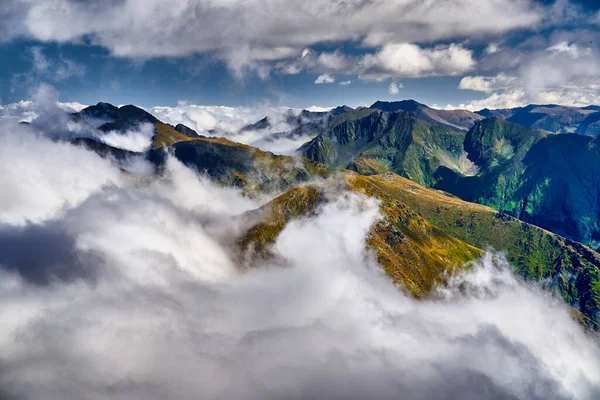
(371, 142)
(549, 180)
(264, 123)
(186, 131)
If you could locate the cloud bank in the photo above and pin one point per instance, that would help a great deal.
(562, 72)
(255, 35)
(136, 291)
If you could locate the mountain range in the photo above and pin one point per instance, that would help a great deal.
(451, 184)
(552, 118)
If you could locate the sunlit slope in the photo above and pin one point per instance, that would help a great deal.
(412, 251)
(234, 164)
(425, 233)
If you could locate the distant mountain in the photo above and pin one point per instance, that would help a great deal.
(293, 119)
(459, 120)
(371, 141)
(101, 112)
(229, 163)
(106, 117)
(263, 124)
(234, 164)
(590, 126)
(550, 180)
(551, 117)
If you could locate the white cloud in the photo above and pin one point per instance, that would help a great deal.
(139, 295)
(139, 139)
(223, 119)
(243, 32)
(25, 110)
(318, 109)
(487, 84)
(570, 49)
(57, 69)
(324, 78)
(492, 48)
(563, 73)
(505, 99)
(394, 88)
(227, 122)
(345, 83)
(33, 168)
(409, 60)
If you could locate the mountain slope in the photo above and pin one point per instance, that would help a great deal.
(549, 180)
(550, 117)
(459, 120)
(239, 165)
(370, 141)
(425, 233)
(227, 162)
(416, 254)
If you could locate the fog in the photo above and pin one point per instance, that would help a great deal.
(119, 286)
(230, 121)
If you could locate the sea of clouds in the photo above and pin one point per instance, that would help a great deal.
(121, 285)
(48, 112)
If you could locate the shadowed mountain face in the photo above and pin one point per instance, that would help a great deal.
(549, 180)
(238, 165)
(370, 141)
(552, 118)
(458, 120)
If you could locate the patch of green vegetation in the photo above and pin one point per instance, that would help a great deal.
(552, 181)
(416, 254)
(375, 142)
(537, 254)
(298, 202)
(234, 164)
(166, 135)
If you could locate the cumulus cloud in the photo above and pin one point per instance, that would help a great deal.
(325, 78)
(562, 72)
(345, 83)
(390, 61)
(409, 60)
(138, 139)
(263, 31)
(39, 176)
(204, 119)
(486, 84)
(394, 88)
(499, 100)
(492, 48)
(156, 302)
(25, 110)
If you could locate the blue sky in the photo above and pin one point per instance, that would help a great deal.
(224, 52)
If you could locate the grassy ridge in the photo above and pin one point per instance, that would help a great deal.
(424, 234)
(537, 254)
